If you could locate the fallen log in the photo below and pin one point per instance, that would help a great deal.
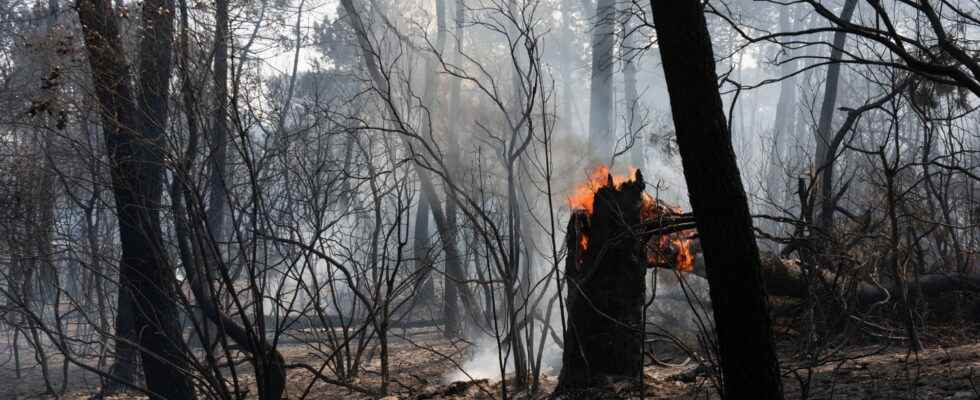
(785, 278)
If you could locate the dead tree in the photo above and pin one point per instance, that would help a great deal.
(604, 272)
(749, 365)
(133, 122)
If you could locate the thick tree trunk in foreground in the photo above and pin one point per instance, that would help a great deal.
(133, 128)
(749, 365)
(603, 340)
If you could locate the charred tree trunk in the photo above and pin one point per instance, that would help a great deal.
(749, 365)
(825, 155)
(604, 273)
(133, 128)
(219, 140)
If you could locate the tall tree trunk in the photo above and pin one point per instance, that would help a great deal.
(749, 365)
(266, 360)
(47, 272)
(515, 295)
(453, 268)
(422, 243)
(566, 65)
(218, 149)
(601, 138)
(784, 126)
(217, 203)
(824, 158)
(453, 133)
(133, 129)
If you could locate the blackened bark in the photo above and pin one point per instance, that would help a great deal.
(749, 365)
(123, 367)
(604, 335)
(133, 129)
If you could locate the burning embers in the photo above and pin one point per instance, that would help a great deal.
(669, 229)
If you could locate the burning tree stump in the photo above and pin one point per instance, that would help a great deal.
(604, 274)
(615, 233)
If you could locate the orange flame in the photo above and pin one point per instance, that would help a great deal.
(684, 260)
(583, 196)
(672, 249)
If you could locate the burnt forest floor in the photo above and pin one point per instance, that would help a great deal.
(948, 368)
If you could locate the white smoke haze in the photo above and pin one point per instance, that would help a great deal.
(340, 191)
(665, 180)
(682, 306)
(484, 362)
(681, 309)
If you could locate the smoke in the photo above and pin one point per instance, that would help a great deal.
(681, 307)
(486, 357)
(485, 360)
(484, 363)
(665, 181)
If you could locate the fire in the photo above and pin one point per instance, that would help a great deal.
(672, 250)
(684, 260)
(583, 196)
